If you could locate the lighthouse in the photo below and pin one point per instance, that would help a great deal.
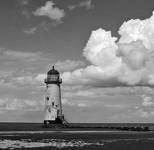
(53, 105)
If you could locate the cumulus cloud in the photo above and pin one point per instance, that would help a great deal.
(134, 54)
(86, 4)
(51, 11)
(127, 61)
(101, 49)
(136, 29)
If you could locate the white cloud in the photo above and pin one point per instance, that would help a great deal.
(128, 61)
(121, 116)
(43, 26)
(86, 4)
(49, 10)
(29, 56)
(144, 110)
(68, 65)
(67, 102)
(24, 80)
(29, 68)
(151, 79)
(71, 7)
(82, 104)
(14, 104)
(117, 106)
(20, 104)
(135, 115)
(134, 54)
(147, 101)
(144, 114)
(21, 69)
(26, 13)
(85, 93)
(30, 30)
(101, 49)
(2, 103)
(38, 79)
(23, 2)
(136, 29)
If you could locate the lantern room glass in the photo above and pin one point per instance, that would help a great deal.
(53, 77)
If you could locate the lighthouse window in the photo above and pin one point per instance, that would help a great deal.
(49, 110)
(47, 98)
(52, 103)
(54, 77)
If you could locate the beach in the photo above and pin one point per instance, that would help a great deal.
(107, 140)
(81, 139)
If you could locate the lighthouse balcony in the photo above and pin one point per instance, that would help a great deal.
(53, 80)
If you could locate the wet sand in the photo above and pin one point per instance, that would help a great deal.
(79, 140)
(34, 136)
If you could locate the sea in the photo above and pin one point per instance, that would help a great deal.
(81, 137)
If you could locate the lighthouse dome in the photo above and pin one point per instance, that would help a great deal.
(52, 71)
(53, 77)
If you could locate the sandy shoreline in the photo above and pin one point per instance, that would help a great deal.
(77, 140)
(33, 136)
(86, 140)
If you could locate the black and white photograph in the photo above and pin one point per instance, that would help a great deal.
(76, 74)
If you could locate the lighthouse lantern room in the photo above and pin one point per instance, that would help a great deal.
(53, 105)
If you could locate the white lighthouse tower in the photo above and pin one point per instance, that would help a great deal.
(53, 105)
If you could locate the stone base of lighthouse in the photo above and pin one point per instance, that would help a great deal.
(58, 120)
(57, 123)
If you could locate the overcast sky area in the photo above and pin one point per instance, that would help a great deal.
(104, 50)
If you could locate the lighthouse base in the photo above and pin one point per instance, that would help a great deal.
(57, 121)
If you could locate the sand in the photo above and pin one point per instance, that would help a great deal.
(79, 141)
(33, 136)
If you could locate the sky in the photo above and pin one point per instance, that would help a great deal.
(104, 50)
